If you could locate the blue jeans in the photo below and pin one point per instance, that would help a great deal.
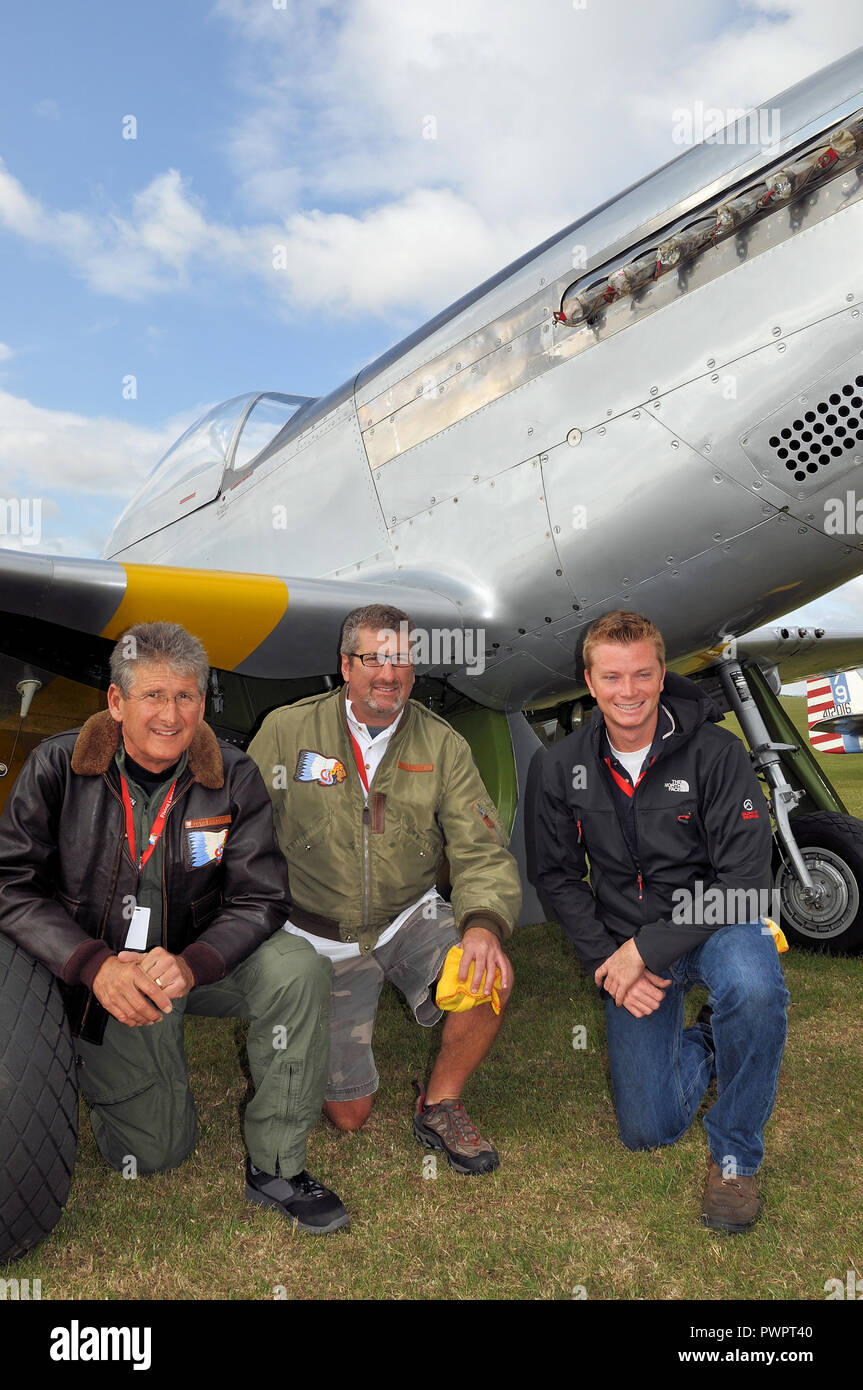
(660, 1070)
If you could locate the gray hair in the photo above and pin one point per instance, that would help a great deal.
(377, 616)
(165, 644)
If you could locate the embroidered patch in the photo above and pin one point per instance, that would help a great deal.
(677, 786)
(204, 847)
(416, 767)
(315, 767)
(748, 812)
(204, 822)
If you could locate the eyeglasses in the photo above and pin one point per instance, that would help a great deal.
(157, 700)
(398, 659)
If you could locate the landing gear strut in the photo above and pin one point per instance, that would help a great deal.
(819, 851)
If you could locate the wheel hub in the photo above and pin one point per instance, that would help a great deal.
(837, 897)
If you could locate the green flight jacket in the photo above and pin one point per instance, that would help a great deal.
(360, 866)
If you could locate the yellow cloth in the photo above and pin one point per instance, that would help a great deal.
(777, 933)
(454, 994)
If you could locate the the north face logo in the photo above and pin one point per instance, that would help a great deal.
(677, 786)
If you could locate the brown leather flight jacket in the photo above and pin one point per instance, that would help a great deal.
(67, 880)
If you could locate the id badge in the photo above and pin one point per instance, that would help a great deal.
(136, 936)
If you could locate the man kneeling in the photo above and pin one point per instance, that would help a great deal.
(667, 809)
(379, 787)
(138, 863)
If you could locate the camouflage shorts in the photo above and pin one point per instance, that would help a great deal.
(412, 962)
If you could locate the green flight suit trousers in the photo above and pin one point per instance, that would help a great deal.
(136, 1082)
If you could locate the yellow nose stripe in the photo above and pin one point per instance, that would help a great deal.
(232, 614)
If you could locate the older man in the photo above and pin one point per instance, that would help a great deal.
(137, 861)
(379, 788)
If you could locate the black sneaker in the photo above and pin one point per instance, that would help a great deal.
(447, 1126)
(307, 1203)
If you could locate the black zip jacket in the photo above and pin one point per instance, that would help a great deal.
(697, 855)
(67, 880)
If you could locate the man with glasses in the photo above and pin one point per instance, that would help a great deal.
(138, 863)
(369, 790)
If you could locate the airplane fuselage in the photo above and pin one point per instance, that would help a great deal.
(535, 472)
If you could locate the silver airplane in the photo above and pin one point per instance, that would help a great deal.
(659, 408)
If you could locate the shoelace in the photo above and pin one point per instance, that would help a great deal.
(466, 1131)
(309, 1185)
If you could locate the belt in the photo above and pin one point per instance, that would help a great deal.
(313, 923)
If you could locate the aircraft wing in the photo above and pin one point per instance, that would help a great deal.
(800, 652)
(61, 615)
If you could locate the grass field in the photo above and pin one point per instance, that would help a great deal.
(570, 1210)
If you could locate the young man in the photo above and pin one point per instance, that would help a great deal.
(669, 814)
(138, 862)
(368, 789)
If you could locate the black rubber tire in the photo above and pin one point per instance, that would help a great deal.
(832, 846)
(38, 1102)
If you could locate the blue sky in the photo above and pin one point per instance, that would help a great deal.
(307, 125)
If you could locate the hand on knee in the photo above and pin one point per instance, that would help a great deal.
(348, 1115)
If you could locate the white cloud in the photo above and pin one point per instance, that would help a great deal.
(416, 251)
(47, 452)
(537, 114)
(6, 352)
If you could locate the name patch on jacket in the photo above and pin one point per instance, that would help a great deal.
(203, 841)
(316, 767)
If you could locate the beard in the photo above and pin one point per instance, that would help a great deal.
(398, 703)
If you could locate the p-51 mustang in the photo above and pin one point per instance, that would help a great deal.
(659, 408)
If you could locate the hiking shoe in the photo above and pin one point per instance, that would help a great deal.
(307, 1203)
(730, 1204)
(447, 1126)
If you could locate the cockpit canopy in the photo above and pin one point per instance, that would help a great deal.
(214, 454)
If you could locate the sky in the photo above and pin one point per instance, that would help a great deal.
(399, 151)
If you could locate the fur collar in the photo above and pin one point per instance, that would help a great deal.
(97, 743)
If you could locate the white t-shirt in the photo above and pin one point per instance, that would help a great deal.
(631, 761)
(373, 750)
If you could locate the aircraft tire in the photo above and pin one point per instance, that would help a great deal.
(38, 1102)
(832, 846)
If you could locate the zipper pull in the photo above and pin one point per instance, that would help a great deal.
(640, 888)
(366, 816)
(580, 835)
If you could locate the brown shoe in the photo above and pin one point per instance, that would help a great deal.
(730, 1204)
(447, 1126)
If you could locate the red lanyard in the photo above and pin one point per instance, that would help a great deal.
(360, 762)
(158, 823)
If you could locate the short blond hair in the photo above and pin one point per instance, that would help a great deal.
(625, 627)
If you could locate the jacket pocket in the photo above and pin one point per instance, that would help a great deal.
(204, 909)
(309, 837)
